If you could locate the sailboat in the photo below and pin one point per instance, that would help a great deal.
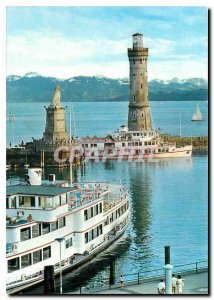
(197, 115)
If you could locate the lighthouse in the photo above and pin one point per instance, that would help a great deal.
(55, 130)
(139, 118)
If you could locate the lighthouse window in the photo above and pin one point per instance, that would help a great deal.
(140, 61)
(25, 261)
(13, 264)
(25, 234)
(133, 98)
(36, 231)
(37, 256)
(141, 86)
(46, 252)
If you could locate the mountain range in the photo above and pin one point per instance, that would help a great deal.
(34, 87)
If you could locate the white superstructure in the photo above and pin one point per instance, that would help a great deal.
(89, 216)
(136, 145)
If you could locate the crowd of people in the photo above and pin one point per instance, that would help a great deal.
(176, 283)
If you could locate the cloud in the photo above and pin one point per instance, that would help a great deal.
(53, 54)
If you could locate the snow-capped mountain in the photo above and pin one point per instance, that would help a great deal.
(34, 87)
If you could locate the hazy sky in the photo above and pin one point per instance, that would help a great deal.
(70, 41)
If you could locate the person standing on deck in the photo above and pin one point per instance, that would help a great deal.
(180, 284)
(174, 284)
(161, 287)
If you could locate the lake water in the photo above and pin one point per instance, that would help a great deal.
(169, 198)
(105, 117)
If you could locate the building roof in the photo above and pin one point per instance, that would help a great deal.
(37, 190)
(136, 34)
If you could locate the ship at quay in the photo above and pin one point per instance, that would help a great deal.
(86, 217)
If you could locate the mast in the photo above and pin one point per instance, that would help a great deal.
(12, 119)
(70, 169)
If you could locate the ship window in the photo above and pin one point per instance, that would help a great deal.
(61, 222)
(123, 144)
(13, 264)
(92, 212)
(25, 260)
(45, 228)
(111, 218)
(68, 243)
(36, 230)
(46, 252)
(101, 207)
(86, 145)
(95, 233)
(86, 237)
(100, 229)
(145, 151)
(7, 202)
(90, 235)
(167, 150)
(159, 150)
(27, 201)
(37, 256)
(54, 226)
(133, 74)
(25, 234)
(140, 61)
(140, 143)
(13, 202)
(96, 212)
(85, 214)
(145, 143)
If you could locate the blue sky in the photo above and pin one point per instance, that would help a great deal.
(70, 41)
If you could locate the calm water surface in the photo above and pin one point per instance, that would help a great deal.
(169, 198)
(105, 117)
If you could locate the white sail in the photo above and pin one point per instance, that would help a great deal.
(197, 115)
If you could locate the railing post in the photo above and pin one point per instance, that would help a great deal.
(138, 278)
(196, 267)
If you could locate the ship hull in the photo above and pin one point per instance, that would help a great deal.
(26, 285)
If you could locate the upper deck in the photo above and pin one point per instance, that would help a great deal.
(47, 203)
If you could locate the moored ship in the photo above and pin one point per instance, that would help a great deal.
(87, 217)
(132, 145)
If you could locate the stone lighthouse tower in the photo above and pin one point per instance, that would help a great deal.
(55, 129)
(139, 111)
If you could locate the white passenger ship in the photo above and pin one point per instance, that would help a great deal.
(88, 216)
(136, 145)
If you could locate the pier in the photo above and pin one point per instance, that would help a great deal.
(195, 283)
